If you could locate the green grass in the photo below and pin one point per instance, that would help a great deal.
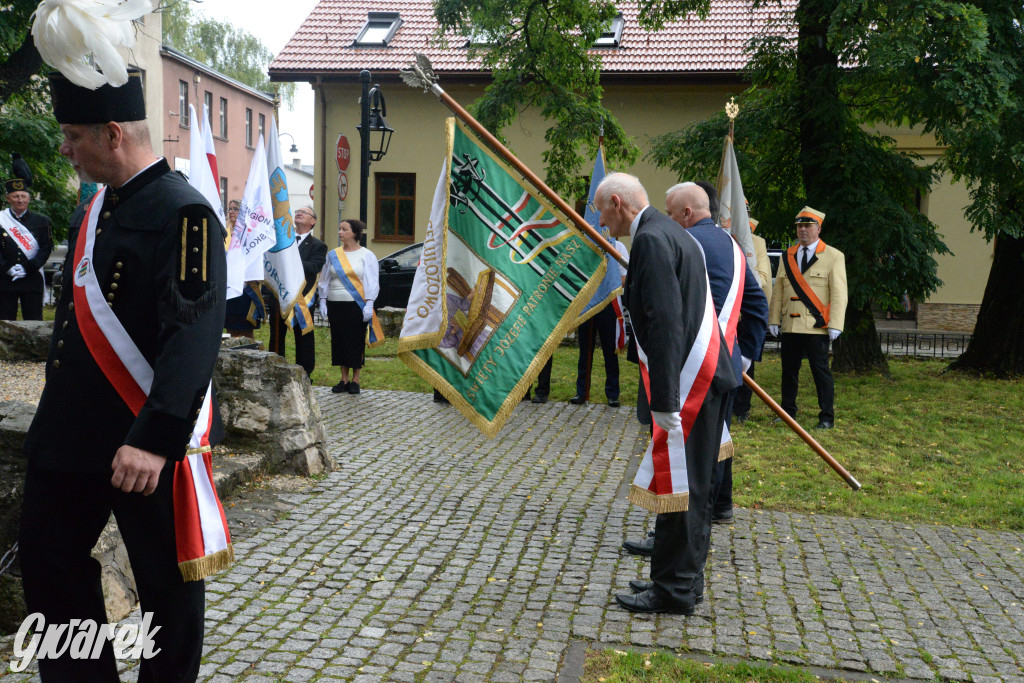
(616, 666)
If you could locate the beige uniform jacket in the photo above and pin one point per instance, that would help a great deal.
(827, 279)
(764, 266)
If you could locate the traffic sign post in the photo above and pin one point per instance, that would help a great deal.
(343, 153)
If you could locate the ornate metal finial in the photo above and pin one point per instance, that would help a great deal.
(732, 110)
(421, 74)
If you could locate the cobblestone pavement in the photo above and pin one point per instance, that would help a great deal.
(434, 554)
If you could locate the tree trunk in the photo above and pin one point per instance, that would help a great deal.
(858, 348)
(997, 347)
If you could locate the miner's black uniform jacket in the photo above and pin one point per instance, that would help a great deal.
(12, 255)
(159, 260)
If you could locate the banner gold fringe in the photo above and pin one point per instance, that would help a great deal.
(673, 502)
(201, 567)
(726, 451)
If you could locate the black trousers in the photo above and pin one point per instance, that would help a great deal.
(305, 344)
(815, 347)
(62, 516)
(601, 325)
(741, 406)
(31, 305)
(544, 380)
(722, 485)
(682, 539)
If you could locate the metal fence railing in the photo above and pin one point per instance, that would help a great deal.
(919, 344)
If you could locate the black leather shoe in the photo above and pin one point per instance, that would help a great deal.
(577, 400)
(722, 518)
(340, 388)
(353, 387)
(824, 424)
(639, 586)
(613, 403)
(740, 418)
(644, 547)
(537, 398)
(649, 602)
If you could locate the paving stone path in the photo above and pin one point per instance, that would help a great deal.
(434, 554)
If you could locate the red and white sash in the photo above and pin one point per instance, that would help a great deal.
(728, 318)
(661, 483)
(620, 324)
(201, 530)
(21, 235)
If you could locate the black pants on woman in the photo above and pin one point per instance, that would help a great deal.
(348, 333)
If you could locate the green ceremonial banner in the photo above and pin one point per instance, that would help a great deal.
(504, 276)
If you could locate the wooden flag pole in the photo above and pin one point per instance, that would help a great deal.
(802, 433)
(422, 75)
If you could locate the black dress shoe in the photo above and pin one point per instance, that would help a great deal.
(740, 418)
(613, 403)
(644, 547)
(577, 400)
(353, 387)
(340, 388)
(650, 602)
(824, 424)
(639, 586)
(539, 398)
(722, 517)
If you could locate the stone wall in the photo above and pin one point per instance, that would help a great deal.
(947, 317)
(268, 406)
(25, 339)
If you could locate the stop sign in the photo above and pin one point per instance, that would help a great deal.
(344, 153)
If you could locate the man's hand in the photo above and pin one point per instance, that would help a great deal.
(746, 363)
(833, 334)
(136, 470)
(667, 421)
(773, 330)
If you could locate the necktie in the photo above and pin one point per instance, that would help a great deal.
(803, 265)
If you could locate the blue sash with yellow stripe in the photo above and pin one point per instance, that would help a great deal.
(343, 269)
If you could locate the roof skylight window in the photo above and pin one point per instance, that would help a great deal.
(379, 29)
(612, 35)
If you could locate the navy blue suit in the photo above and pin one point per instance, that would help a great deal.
(750, 330)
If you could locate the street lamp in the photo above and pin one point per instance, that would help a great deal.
(294, 149)
(373, 109)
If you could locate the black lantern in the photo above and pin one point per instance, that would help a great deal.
(377, 126)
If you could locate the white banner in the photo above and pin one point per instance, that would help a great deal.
(200, 175)
(733, 212)
(425, 313)
(281, 264)
(253, 233)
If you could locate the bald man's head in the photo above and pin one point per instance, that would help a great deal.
(687, 203)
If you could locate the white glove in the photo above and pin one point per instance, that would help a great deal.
(16, 272)
(746, 363)
(368, 311)
(833, 333)
(773, 330)
(667, 421)
(323, 308)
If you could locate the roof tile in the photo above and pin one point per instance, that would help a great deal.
(324, 42)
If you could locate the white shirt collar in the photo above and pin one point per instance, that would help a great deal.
(636, 222)
(811, 248)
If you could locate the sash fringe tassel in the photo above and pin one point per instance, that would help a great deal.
(726, 451)
(201, 567)
(674, 502)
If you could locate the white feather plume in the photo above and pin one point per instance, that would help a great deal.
(66, 32)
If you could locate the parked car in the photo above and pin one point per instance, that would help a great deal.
(774, 256)
(55, 261)
(396, 274)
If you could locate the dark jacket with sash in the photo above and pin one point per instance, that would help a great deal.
(159, 260)
(718, 257)
(665, 293)
(313, 254)
(11, 254)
